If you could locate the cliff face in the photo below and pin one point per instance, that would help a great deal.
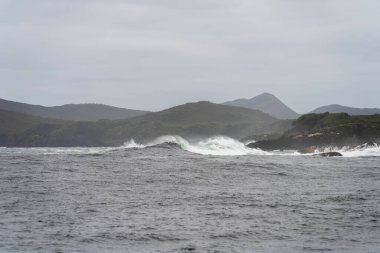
(317, 131)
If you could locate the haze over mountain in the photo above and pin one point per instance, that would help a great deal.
(190, 120)
(81, 112)
(349, 110)
(267, 103)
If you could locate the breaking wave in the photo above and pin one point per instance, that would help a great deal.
(218, 145)
(226, 146)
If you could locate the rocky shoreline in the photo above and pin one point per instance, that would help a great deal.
(313, 132)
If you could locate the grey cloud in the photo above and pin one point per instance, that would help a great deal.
(154, 54)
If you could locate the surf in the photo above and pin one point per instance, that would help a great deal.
(217, 145)
(364, 150)
(226, 146)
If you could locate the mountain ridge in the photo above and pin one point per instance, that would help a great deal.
(79, 112)
(336, 108)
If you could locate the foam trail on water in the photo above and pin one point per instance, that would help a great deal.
(364, 150)
(217, 145)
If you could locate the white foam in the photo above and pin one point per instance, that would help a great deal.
(226, 146)
(217, 145)
(360, 151)
(132, 144)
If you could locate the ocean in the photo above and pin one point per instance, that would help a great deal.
(212, 195)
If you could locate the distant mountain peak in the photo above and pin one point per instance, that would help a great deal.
(268, 103)
(265, 94)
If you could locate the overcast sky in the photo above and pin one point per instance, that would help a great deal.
(154, 54)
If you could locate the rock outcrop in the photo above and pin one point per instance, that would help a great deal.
(319, 131)
(329, 154)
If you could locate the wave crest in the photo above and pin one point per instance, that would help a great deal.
(217, 145)
(226, 146)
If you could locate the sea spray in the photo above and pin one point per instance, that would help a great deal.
(217, 145)
(132, 144)
(362, 150)
(226, 146)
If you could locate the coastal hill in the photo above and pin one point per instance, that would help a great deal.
(318, 131)
(80, 112)
(345, 109)
(190, 120)
(201, 119)
(267, 103)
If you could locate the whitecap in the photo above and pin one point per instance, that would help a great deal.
(217, 145)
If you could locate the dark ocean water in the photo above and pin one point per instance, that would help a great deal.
(165, 199)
